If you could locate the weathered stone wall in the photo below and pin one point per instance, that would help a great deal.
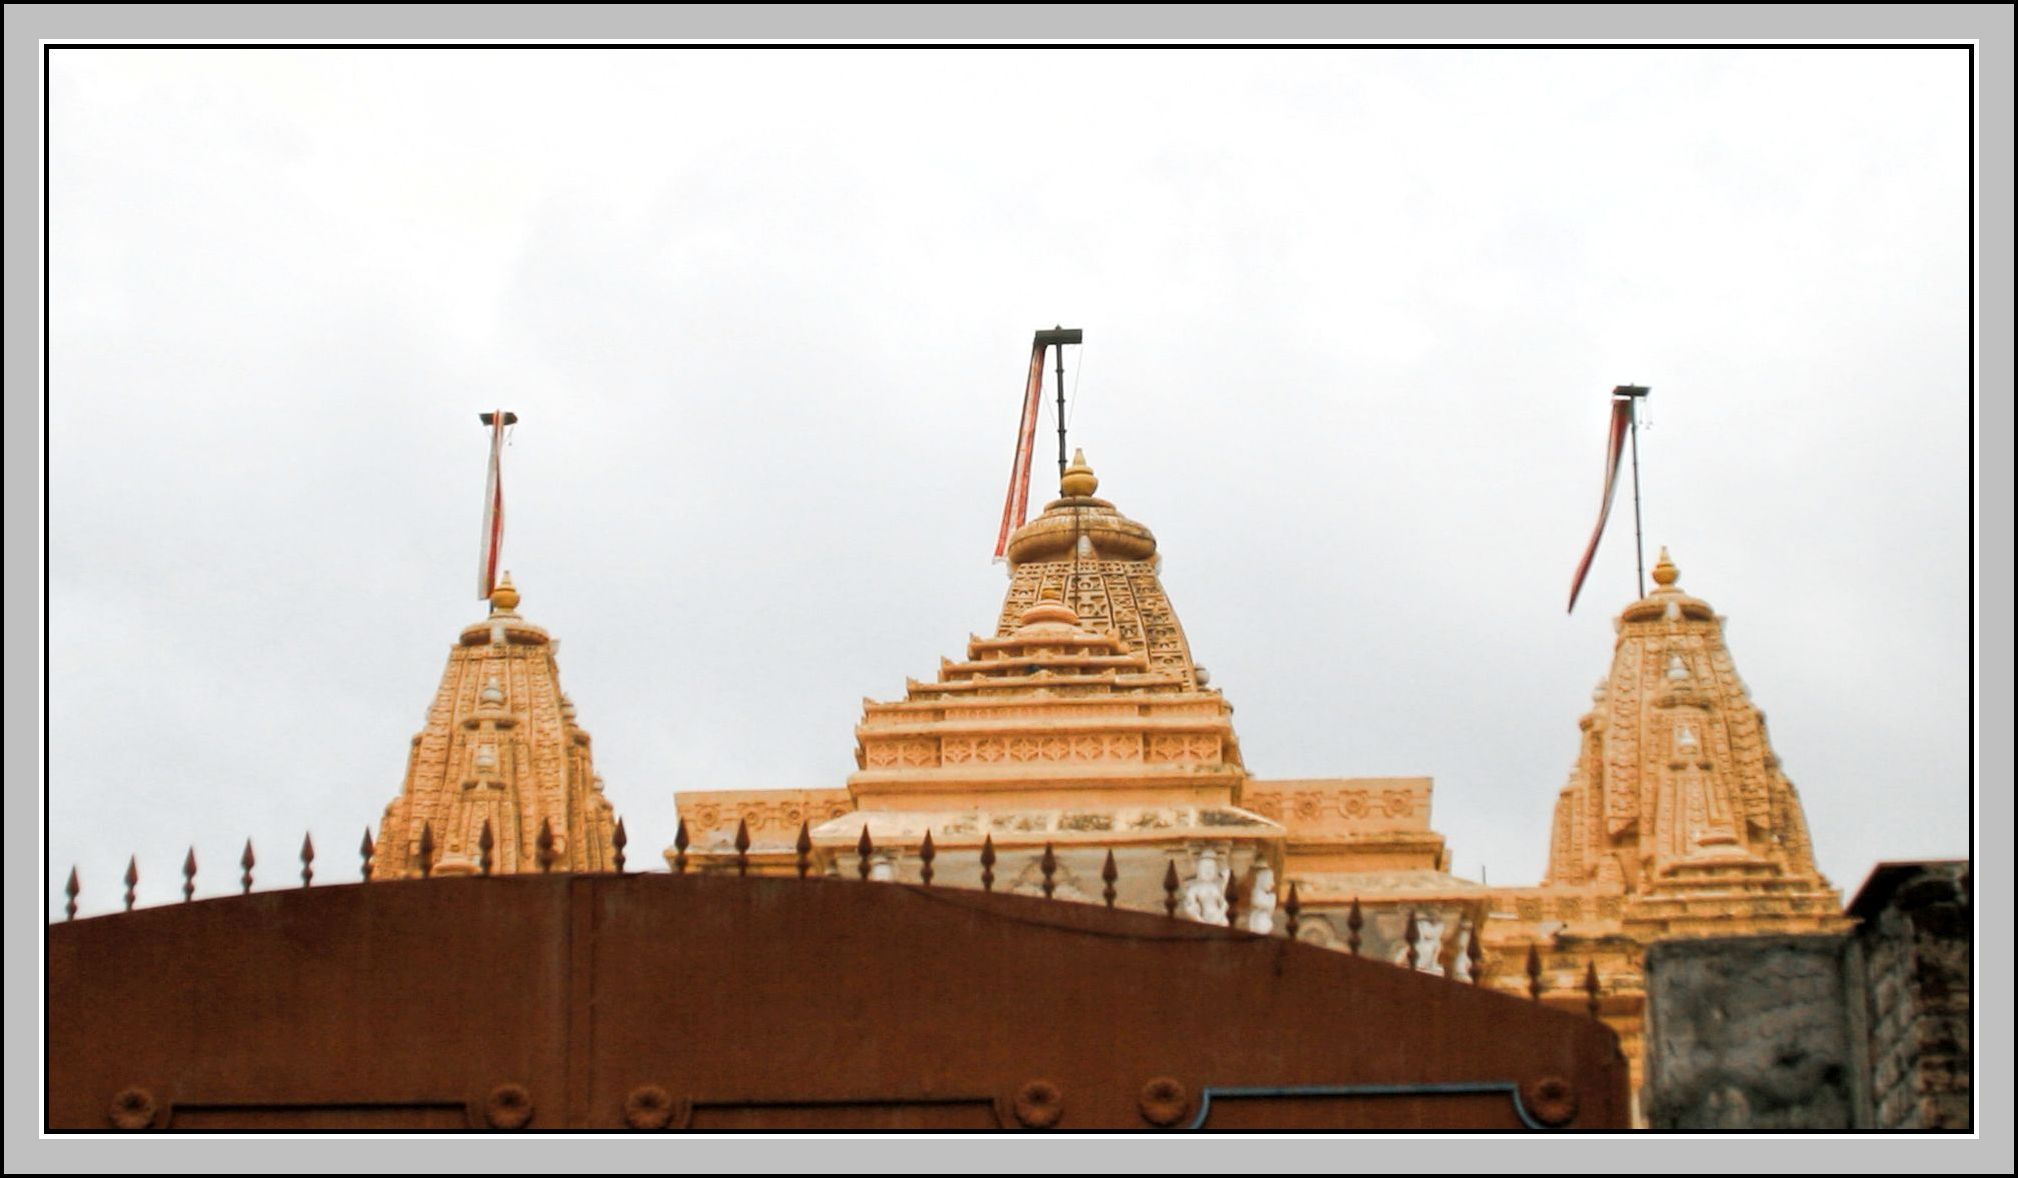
(1864, 1030)
(1751, 1033)
(1916, 957)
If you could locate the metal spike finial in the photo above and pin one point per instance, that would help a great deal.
(619, 840)
(485, 843)
(1354, 922)
(245, 861)
(864, 847)
(680, 844)
(1411, 934)
(1534, 972)
(365, 851)
(1170, 888)
(307, 861)
(545, 845)
(132, 879)
(1591, 987)
(1293, 909)
(1108, 874)
(1048, 865)
(804, 848)
(1475, 953)
(426, 849)
(926, 853)
(742, 846)
(189, 876)
(987, 862)
(70, 890)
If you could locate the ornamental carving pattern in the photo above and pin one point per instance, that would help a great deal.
(996, 750)
(1315, 805)
(785, 815)
(1122, 595)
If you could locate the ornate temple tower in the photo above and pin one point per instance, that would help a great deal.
(1676, 822)
(1082, 724)
(501, 747)
(1676, 799)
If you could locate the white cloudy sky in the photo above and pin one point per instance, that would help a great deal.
(1351, 318)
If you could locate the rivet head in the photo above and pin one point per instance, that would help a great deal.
(1164, 1101)
(510, 1107)
(1551, 1100)
(1039, 1104)
(648, 1107)
(133, 1109)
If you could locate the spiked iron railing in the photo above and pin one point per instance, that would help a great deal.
(1418, 951)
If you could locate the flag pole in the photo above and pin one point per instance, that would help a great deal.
(1058, 337)
(493, 502)
(1636, 393)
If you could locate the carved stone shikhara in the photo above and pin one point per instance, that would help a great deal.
(501, 747)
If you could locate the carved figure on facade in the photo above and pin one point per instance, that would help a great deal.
(1260, 910)
(1205, 896)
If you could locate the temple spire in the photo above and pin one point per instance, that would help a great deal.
(500, 753)
(1677, 798)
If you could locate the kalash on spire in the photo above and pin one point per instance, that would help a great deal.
(500, 751)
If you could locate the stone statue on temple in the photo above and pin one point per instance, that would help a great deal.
(1205, 895)
(1260, 915)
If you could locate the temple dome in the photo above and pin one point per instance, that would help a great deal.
(1078, 522)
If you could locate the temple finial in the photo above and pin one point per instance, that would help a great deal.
(1665, 572)
(1078, 481)
(505, 597)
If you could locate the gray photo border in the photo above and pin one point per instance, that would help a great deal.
(25, 583)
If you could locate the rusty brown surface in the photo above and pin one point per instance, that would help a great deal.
(628, 1003)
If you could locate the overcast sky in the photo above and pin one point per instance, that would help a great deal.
(1351, 320)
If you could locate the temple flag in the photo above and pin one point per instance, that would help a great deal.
(493, 504)
(1016, 508)
(1622, 417)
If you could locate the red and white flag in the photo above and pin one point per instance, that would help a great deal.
(1016, 509)
(493, 506)
(1622, 419)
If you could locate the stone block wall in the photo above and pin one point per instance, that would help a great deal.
(1916, 950)
(1751, 1033)
(1824, 1032)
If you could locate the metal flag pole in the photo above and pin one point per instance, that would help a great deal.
(1060, 336)
(1635, 394)
(493, 503)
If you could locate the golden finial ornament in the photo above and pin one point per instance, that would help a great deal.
(505, 597)
(1665, 572)
(1078, 481)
